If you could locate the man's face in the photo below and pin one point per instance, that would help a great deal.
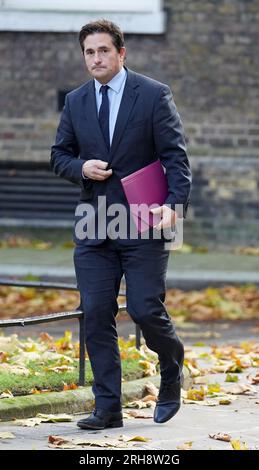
(102, 59)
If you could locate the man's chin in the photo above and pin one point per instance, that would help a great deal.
(98, 72)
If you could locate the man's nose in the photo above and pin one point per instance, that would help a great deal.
(97, 57)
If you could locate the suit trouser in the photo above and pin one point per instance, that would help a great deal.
(99, 270)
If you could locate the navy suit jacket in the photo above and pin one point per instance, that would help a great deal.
(148, 127)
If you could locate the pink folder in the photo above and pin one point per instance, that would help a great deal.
(146, 186)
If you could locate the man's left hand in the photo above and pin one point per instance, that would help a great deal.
(168, 217)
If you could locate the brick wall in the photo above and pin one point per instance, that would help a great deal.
(225, 202)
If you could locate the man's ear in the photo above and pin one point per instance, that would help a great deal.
(123, 53)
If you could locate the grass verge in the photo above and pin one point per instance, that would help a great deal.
(40, 379)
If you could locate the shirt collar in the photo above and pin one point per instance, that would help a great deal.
(115, 83)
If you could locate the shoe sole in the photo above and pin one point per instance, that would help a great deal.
(115, 424)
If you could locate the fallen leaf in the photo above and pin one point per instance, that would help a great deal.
(185, 446)
(104, 442)
(60, 442)
(46, 337)
(7, 435)
(200, 403)
(135, 438)
(44, 418)
(239, 389)
(54, 418)
(121, 441)
(60, 369)
(253, 379)
(14, 369)
(30, 422)
(6, 394)
(194, 371)
(237, 445)
(196, 394)
(149, 368)
(200, 380)
(35, 391)
(4, 356)
(247, 250)
(136, 414)
(139, 404)
(214, 388)
(9, 344)
(149, 398)
(231, 378)
(220, 436)
(70, 387)
(225, 401)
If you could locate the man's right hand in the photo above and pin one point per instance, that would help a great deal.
(95, 170)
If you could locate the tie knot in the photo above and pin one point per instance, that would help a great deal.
(104, 89)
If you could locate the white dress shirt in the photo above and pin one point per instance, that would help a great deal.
(115, 92)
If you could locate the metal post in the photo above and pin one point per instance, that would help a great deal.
(81, 351)
(138, 336)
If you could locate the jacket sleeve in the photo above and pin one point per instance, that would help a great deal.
(171, 149)
(65, 159)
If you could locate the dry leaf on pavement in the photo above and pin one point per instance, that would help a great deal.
(52, 418)
(44, 418)
(149, 398)
(239, 389)
(30, 422)
(200, 403)
(253, 379)
(237, 445)
(60, 442)
(196, 394)
(121, 441)
(139, 404)
(136, 414)
(7, 435)
(135, 438)
(220, 436)
(225, 401)
(185, 446)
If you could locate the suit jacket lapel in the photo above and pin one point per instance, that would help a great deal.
(127, 102)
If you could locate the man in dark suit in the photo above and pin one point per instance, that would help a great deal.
(113, 125)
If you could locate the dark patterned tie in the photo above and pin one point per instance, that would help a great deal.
(104, 115)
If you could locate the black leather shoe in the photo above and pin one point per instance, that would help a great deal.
(101, 419)
(168, 402)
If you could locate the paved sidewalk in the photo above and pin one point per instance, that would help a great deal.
(193, 423)
(185, 270)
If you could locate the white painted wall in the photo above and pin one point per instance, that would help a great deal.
(83, 5)
(133, 16)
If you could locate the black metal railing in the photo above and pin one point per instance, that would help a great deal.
(50, 317)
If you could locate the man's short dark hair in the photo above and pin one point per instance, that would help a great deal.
(102, 26)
